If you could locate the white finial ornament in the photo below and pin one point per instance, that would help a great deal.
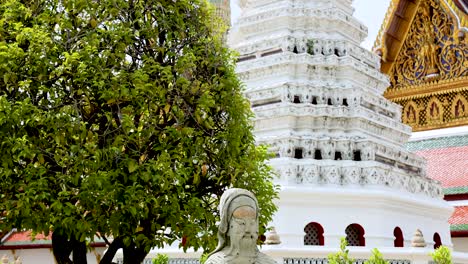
(273, 238)
(418, 239)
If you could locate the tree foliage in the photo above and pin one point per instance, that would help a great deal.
(376, 258)
(121, 118)
(442, 255)
(341, 257)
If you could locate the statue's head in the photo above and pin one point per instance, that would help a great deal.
(238, 229)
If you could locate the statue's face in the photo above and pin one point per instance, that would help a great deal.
(243, 227)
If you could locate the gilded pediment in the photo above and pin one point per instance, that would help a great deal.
(424, 50)
(432, 50)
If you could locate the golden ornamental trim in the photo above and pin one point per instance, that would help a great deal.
(459, 107)
(458, 14)
(427, 89)
(436, 111)
(430, 52)
(379, 40)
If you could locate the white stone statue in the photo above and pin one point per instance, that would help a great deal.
(238, 230)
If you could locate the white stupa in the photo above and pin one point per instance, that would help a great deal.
(340, 160)
(317, 97)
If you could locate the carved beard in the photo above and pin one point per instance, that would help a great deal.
(242, 248)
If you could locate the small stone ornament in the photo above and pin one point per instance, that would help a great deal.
(273, 238)
(238, 230)
(418, 239)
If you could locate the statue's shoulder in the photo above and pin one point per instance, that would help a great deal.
(265, 259)
(216, 258)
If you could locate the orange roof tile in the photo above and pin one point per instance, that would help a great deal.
(27, 236)
(447, 165)
(459, 219)
(459, 216)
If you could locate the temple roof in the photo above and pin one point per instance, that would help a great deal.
(19, 239)
(446, 160)
(459, 219)
(397, 23)
(449, 166)
(423, 46)
(26, 239)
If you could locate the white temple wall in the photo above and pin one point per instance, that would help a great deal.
(460, 244)
(316, 254)
(46, 256)
(377, 211)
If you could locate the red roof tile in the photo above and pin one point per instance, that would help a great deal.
(459, 216)
(26, 236)
(23, 240)
(447, 165)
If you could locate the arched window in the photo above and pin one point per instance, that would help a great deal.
(437, 241)
(355, 235)
(398, 237)
(313, 234)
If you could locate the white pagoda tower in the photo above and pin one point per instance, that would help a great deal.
(340, 160)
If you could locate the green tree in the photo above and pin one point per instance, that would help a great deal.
(161, 259)
(122, 119)
(376, 258)
(341, 257)
(442, 255)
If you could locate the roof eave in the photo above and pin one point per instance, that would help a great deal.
(396, 30)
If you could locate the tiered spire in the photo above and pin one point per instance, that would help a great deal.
(317, 96)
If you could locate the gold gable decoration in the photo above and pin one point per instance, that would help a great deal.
(437, 111)
(430, 51)
(429, 76)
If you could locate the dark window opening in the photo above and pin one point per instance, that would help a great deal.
(357, 155)
(314, 235)
(437, 241)
(265, 103)
(251, 57)
(398, 242)
(314, 100)
(345, 102)
(338, 155)
(355, 235)
(337, 52)
(329, 101)
(272, 52)
(298, 153)
(318, 154)
(295, 50)
(297, 99)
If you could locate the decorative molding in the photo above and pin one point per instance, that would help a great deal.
(363, 174)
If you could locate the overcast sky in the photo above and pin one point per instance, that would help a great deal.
(370, 12)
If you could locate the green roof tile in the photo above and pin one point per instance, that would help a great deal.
(463, 227)
(456, 190)
(434, 143)
(32, 242)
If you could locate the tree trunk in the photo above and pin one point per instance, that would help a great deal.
(133, 255)
(79, 252)
(61, 248)
(111, 251)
